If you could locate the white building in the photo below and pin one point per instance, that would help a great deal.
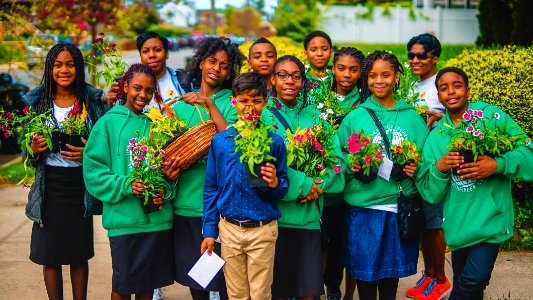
(182, 14)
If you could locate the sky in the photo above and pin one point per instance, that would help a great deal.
(206, 4)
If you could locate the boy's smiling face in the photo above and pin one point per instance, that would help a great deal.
(249, 101)
(453, 92)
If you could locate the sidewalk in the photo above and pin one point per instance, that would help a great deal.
(22, 279)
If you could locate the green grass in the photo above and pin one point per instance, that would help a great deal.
(400, 50)
(13, 173)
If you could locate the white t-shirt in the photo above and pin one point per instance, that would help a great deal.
(166, 88)
(55, 159)
(427, 94)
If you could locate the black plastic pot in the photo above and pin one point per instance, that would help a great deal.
(468, 157)
(254, 181)
(366, 179)
(397, 172)
(71, 139)
(149, 207)
(56, 143)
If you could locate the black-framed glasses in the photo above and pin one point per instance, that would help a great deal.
(284, 76)
(419, 55)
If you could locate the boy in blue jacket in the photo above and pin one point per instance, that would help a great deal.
(244, 217)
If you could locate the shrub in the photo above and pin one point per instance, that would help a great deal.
(284, 46)
(166, 30)
(502, 77)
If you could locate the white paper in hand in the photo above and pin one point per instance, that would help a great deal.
(206, 268)
(385, 168)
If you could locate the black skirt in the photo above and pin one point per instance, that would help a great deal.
(297, 264)
(66, 235)
(187, 240)
(142, 261)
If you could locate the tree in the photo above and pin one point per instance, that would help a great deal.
(244, 22)
(296, 18)
(140, 16)
(504, 22)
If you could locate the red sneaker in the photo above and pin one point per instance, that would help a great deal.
(436, 291)
(420, 286)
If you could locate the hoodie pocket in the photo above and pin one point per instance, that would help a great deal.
(470, 222)
(127, 213)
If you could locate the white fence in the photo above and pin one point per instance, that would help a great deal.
(450, 26)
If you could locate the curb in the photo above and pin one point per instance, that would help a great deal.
(14, 160)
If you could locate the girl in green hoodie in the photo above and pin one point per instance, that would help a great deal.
(297, 264)
(213, 68)
(376, 256)
(478, 205)
(141, 244)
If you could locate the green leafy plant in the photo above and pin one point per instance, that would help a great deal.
(146, 165)
(312, 151)
(74, 123)
(322, 94)
(407, 90)
(405, 153)
(35, 124)
(362, 151)
(252, 141)
(114, 65)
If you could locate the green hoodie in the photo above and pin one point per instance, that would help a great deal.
(294, 213)
(474, 211)
(400, 122)
(189, 197)
(349, 103)
(106, 170)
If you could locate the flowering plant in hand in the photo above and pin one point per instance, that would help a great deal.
(114, 65)
(164, 128)
(253, 140)
(407, 90)
(35, 124)
(405, 153)
(74, 123)
(362, 151)
(323, 94)
(6, 123)
(312, 150)
(483, 135)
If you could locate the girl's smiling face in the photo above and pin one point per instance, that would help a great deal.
(453, 92)
(140, 90)
(64, 69)
(347, 70)
(318, 52)
(381, 80)
(287, 88)
(215, 69)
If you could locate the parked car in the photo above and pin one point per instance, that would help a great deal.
(38, 47)
(172, 43)
(186, 41)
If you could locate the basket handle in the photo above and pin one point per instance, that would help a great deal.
(200, 113)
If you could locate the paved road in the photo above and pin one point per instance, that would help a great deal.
(22, 279)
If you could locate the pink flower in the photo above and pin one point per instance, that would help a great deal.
(478, 113)
(379, 155)
(278, 105)
(298, 137)
(355, 136)
(154, 167)
(275, 126)
(355, 147)
(144, 148)
(368, 159)
(135, 164)
(249, 117)
(366, 142)
(528, 141)
(497, 116)
(233, 101)
(317, 145)
(337, 169)
(132, 141)
(320, 167)
(481, 136)
(26, 110)
(140, 157)
(476, 133)
(466, 117)
(9, 116)
(470, 129)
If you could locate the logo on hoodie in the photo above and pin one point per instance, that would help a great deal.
(464, 185)
(398, 135)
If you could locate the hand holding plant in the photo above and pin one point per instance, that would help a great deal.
(114, 65)
(74, 123)
(363, 152)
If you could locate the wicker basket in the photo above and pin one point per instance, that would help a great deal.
(192, 145)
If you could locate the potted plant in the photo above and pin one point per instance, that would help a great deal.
(312, 150)
(369, 155)
(408, 92)
(327, 102)
(478, 134)
(74, 127)
(254, 143)
(114, 65)
(402, 155)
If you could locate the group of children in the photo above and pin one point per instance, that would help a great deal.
(272, 238)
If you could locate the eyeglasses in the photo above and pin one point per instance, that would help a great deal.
(419, 55)
(284, 76)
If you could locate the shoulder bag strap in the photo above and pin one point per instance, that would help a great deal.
(381, 131)
(280, 118)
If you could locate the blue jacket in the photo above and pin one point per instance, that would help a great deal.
(175, 81)
(36, 195)
(226, 189)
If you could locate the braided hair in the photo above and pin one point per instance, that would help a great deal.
(208, 47)
(367, 65)
(306, 84)
(132, 71)
(79, 86)
(455, 70)
(348, 51)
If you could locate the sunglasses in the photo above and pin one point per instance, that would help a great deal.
(419, 55)
(284, 76)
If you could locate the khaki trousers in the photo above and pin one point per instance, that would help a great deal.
(249, 257)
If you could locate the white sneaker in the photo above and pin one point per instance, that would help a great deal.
(158, 294)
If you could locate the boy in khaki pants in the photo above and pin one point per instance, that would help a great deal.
(244, 217)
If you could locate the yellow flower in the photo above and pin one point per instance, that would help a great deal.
(154, 115)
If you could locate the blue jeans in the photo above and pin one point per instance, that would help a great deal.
(472, 267)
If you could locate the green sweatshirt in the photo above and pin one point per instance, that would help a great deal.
(474, 211)
(349, 103)
(295, 214)
(189, 197)
(400, 122)
(106, 170)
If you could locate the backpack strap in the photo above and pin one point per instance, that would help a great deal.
(281, 119)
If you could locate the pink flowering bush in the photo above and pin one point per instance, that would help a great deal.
(312, 151)
(483, 135)
(362, 151)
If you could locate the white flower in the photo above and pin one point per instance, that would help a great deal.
(406, 65)
(330, 111)
(320, 105)
(324, 116)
